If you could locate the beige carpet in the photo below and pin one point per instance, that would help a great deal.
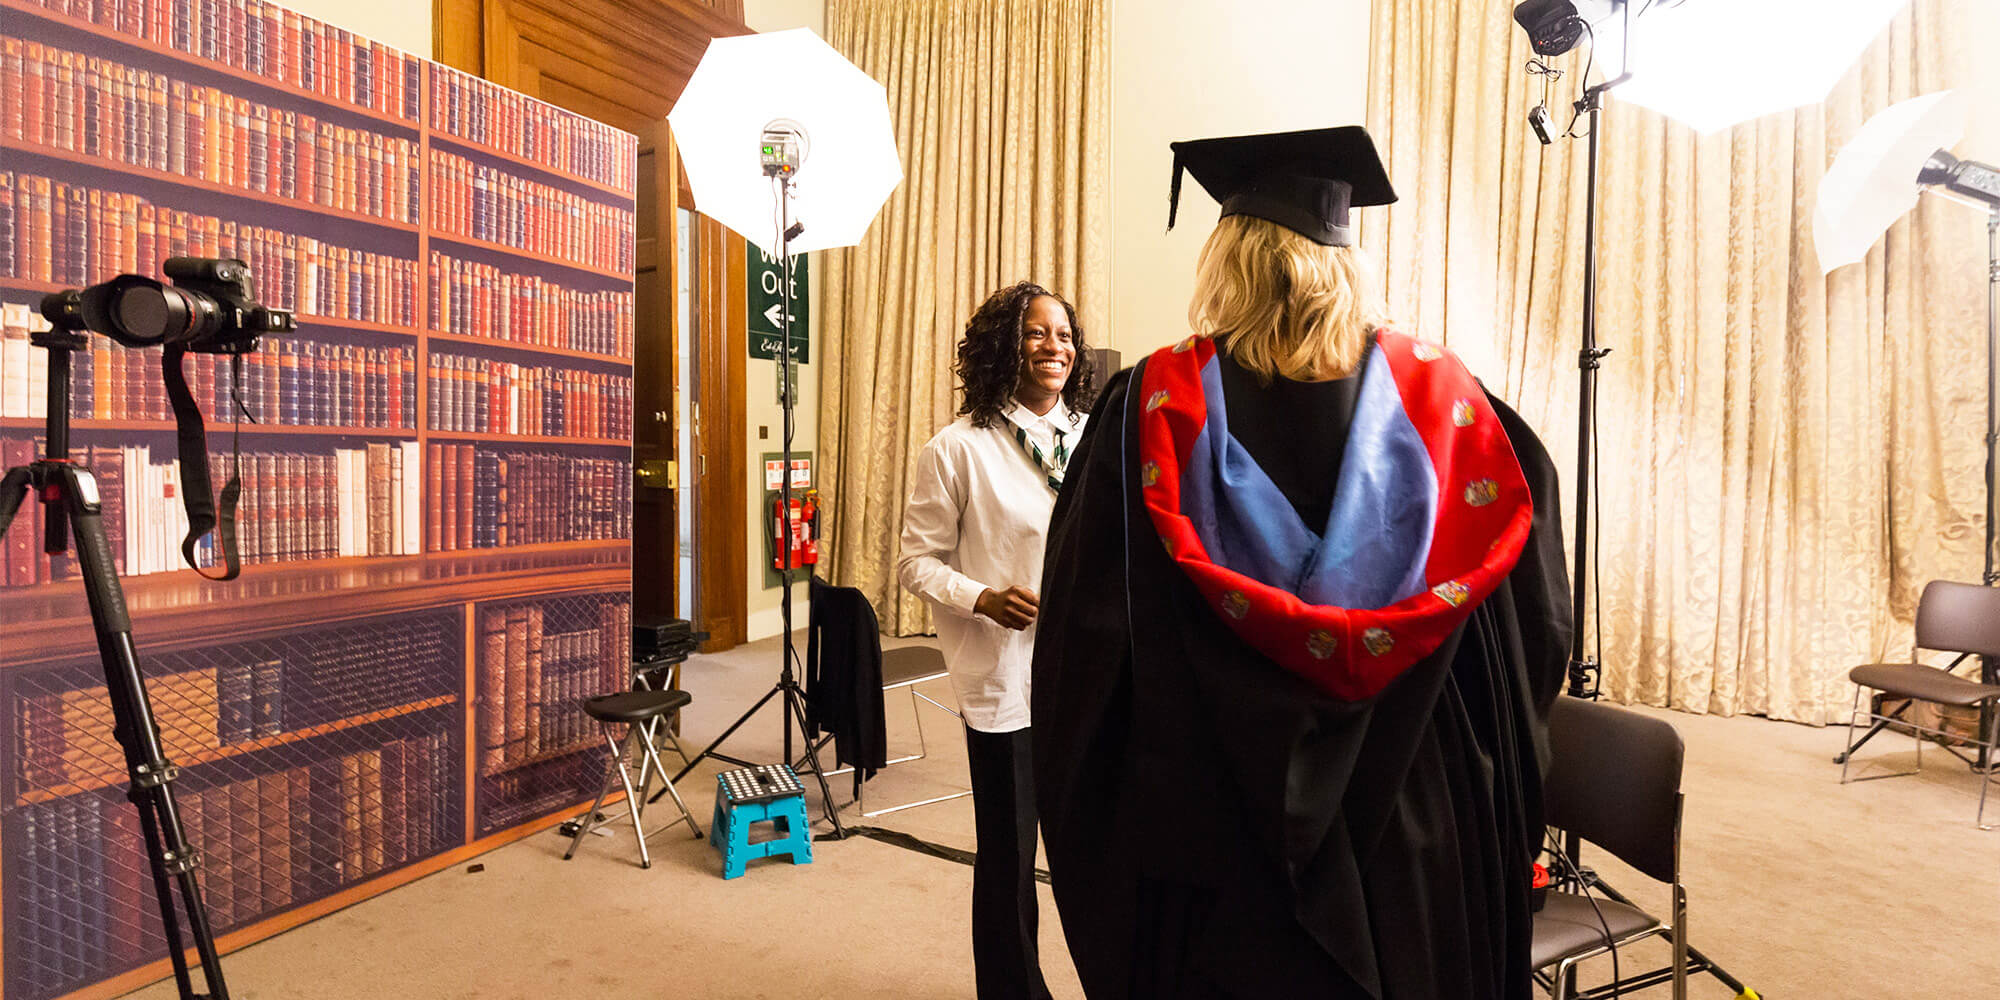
(1802, 887)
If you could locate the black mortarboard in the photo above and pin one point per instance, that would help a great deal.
(1305, 181)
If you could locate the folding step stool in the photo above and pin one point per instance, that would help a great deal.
(770, 793)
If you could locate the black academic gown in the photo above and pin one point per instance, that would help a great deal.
(1216, 827)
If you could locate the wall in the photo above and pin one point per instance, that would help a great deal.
(1190, 69)
(387, 21)
(764, 421)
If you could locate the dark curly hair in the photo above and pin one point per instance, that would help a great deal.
(989, 355)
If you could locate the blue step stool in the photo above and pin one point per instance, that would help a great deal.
(767, 794)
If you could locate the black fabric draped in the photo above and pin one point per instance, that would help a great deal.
(1217, 828)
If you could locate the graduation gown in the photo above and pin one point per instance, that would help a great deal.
(1217, 827)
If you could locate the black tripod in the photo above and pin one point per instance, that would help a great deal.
(70, 495)
(788, 682)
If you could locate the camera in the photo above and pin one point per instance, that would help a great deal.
(210, 308)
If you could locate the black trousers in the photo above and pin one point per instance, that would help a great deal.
(1004, 909)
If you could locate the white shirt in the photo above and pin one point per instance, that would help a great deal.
(978, 520)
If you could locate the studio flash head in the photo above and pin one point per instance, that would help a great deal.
(1553, 26)
(210, 308)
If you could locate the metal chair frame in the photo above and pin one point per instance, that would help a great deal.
(641, 740)
(1560, 978)
(923, 747)
(1990, 744)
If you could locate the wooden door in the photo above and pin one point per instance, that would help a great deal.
(624, 62)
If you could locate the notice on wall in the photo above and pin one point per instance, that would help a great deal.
(770, 299)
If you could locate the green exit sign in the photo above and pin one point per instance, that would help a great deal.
(770, 300)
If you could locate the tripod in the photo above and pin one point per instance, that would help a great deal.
(788, 686)
(70, 495)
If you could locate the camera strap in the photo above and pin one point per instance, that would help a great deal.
(197, 495)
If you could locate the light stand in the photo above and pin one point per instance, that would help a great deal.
(782, 153)
(70, 496)
(1584, 671)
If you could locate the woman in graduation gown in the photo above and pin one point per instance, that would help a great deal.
(1303, 613)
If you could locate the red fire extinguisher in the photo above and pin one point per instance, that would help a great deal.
(797, 529)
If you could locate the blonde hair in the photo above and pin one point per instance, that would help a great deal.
(1281, 304)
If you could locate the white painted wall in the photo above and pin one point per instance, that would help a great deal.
(405, 25)
(1190, 69)
(761, 382)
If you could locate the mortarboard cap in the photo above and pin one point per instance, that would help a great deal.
(1305, 181)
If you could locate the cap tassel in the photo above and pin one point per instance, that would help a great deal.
(1174, 192)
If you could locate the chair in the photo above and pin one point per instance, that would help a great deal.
(643, 714)
(1960, 618)
(1614, 780)
(905, 668)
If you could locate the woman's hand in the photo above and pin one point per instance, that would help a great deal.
(1013, 608)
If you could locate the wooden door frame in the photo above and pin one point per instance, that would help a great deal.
(646, 50)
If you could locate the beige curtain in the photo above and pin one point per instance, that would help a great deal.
(1001, 114)
(1786, 459)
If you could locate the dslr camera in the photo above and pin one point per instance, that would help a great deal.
(209, 309)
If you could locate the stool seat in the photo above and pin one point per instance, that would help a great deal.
(634, 706)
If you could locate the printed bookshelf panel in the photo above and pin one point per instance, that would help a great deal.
(261, 40)
(518, 126)
(64, 235)
(309, 762)
(537, 661)
(460, 263)
(103, 110)
(491, 496)
(472, 299)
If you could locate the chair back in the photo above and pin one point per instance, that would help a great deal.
(1959, 618)
(1615, 780)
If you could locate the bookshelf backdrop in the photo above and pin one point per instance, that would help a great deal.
(437, 500)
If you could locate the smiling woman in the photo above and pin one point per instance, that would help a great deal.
(972, 548)
(1009, 350)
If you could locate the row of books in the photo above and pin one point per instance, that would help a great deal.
(293, 506)
(483, 497)
(475, 201)
(79, 103)
(470, 395)
(244, 692)
(532, 681)
(66, 733)
(74, 235)
(287, 382)
(480, 112)
(83, 901)
(266, 40)
(479, 300)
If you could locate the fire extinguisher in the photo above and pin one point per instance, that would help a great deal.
(797, 528)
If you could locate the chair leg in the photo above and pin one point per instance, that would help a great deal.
(1848, 756)
(1986, 776)
(1680, 942)
(631, 798)
(668, 781)
(590, 815)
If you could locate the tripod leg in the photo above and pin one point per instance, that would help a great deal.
(139, 735)
(13, 489)
(796, 703)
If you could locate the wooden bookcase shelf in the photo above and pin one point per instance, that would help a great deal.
(146, 45)
(110, 778)
(443, 138)
(542, 350)
(539, 258)
(184, 181)
(216, 425)
(528, 439)
(187, 626)
(51, 622)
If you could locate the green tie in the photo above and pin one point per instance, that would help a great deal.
(1053, 469)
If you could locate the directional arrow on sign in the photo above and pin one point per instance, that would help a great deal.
(771, 314)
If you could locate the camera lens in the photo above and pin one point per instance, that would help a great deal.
(143, 312)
